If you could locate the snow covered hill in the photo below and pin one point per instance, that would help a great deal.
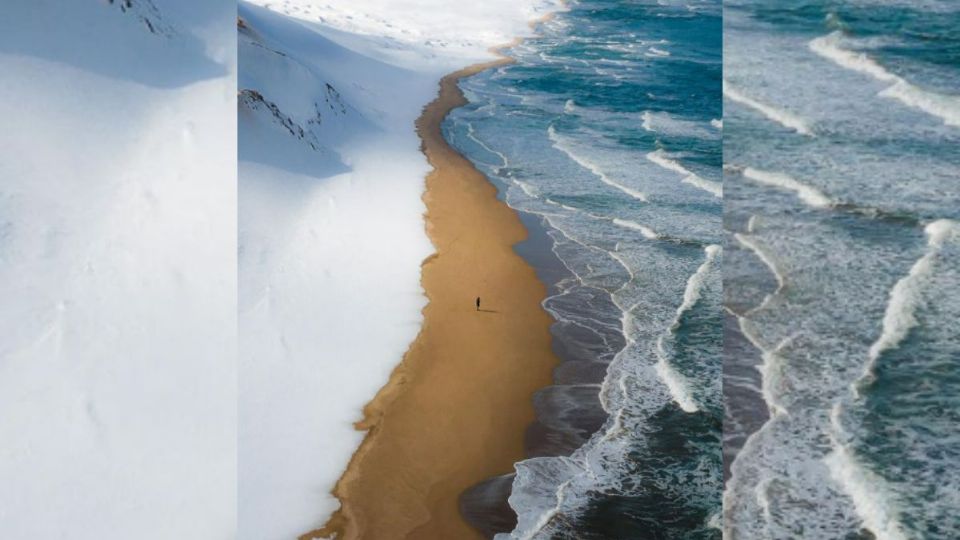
(117, 269)
(119, 262)
(331, 228)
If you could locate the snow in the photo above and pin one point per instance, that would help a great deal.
(331, 227)
(117, 270)
(436, 36)
(122, 283)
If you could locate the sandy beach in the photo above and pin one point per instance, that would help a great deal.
(455, 410)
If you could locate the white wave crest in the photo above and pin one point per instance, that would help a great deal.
(784, 118)
(472, 134)
(871, 497)
(532, 492)
(875, 503)
(527, 188)
(694, 285)
(906, 297)
(676, 383)
(660, 158)
(715, 521)
(829, 47)
(560, 143)
(768, 259)
(647, 121)
(940, 231)
(662, 122)
(946, 107)
(807, 194)
(772, 369)
(653, 51)
(647, 232)
(717, 123)
(569, 106)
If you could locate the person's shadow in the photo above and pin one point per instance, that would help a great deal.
(488, 311)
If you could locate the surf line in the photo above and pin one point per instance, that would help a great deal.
(784, 118)
(660, 158)
(872, 500)
(771, 373)
(905, 296)
(945, 107)
(560, 143)
(773, 363)
(808, 194)
(676, 383)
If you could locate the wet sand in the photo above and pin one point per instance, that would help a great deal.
(455, 411)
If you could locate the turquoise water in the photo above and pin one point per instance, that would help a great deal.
(842, 125)
(607, 132)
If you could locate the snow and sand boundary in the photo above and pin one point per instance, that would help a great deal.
(330, 274)
(455, 411)
(488, 364)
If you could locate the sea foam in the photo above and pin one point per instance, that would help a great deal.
(660, 158)
(665, 123)
(694, 285)
(872, 498)
(594, 230)
(807, 194)
(906, 297)
(472, 134)
(766, 258)
(647, 232)
(677, 384)
(562, 144)
(946, 107)
(782, 117)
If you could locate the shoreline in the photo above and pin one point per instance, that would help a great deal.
(455, 410)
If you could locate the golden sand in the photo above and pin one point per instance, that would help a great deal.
(454, 412)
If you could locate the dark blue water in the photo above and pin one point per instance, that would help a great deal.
(842, 125)
(606, 131)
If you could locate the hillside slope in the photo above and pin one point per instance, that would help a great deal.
(117, 270)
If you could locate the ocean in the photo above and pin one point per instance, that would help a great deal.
(842, 276)
(605, 134)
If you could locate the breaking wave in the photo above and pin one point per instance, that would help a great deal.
(945, 107)
(899, 316)
(660, 158)
(808, 194)
(560, 143)
(679, 387)
(782, 117)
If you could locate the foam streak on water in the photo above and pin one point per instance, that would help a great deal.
(870, 494)
(808, 194)
(946, 107)
(647, 232)
(905, 298)
(680, 387)
(780, 116)
(560, 144)
(660, 158)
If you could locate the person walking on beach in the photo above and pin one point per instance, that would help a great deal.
(478, 303)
